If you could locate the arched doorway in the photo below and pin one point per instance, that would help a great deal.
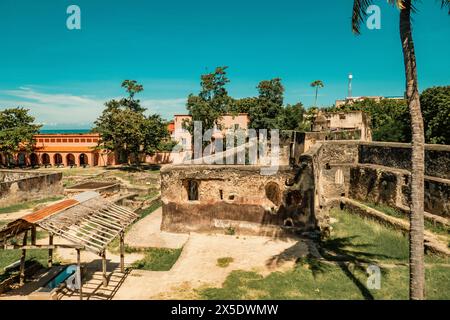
(70, 160)
(58, 159)
(84, 161)
(34, 160)
(45, 159)
(22, 159)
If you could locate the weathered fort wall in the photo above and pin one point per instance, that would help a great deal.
(379, 173)
(204, 198)
(208, 198)
(19, 186)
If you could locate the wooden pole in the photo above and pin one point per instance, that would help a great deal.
(33, 235)
(122, 252)
(50, 251)
(79, 273)
(22, 259)
(105, 279)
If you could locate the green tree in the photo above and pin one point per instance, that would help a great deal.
(435, 103)
(406, 7)
(212, 101)
(244, 105)
(317, 84)
(265, 114)
(126, 130)
(293, 118)
(17, 129)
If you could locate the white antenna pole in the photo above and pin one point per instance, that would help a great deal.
(350, 77)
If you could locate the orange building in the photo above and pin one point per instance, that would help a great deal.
(64, 150)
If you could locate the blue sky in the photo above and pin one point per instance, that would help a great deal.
(64, 76)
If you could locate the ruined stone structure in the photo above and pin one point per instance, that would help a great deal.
(216, 198)
(377, 172)
(19, 186)
(205, 198)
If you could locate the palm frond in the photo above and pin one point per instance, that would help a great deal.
(445, 4)
(359, 14)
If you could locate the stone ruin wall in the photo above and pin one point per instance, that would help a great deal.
(236, 198)
(20, 186)
(300, 195)
(379, 173)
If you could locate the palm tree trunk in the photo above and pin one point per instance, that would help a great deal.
(315, 101)
(416, 242)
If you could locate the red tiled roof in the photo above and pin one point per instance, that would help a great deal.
(50, 210)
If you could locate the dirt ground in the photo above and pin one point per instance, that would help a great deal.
(197, 264)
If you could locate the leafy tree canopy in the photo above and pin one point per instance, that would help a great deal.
(212, 101)
(17, 129)
(435, 104)
(125, 128)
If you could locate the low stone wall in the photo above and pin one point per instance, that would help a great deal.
(19, 186)
(205, 198)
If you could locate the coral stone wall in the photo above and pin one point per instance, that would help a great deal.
(20, 186)
(379, 173)
(206, 198)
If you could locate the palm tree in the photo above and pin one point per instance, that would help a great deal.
(317, 84)
(416, 242)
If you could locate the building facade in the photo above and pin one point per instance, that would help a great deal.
(62, 150)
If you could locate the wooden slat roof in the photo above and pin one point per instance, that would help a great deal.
(87, 220)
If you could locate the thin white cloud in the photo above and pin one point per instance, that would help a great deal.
(61, 109)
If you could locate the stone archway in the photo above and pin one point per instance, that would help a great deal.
(58, 159)
(70, 160)
(46, 159)
(84, 160)
(21, 159)
(34, 160)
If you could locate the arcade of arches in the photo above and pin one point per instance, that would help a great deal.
(66, 150)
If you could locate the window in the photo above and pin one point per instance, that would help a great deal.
(70, 140)
(52, 140)
(64, 140)
(47, 140)
(342, 116)
(77, 140)
(88, 140)
(83, 140)
(192, 190)
(221, 194)
(58, 140)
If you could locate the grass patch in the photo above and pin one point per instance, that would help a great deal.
(8, 257)
(224, 262)
(157, 259)
(363, 239)
(354, 243)
(28, 204)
